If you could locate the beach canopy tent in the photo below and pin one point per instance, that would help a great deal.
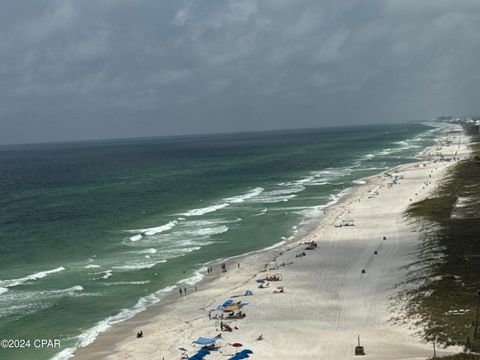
(206, 341)
(260, 281)
(234, 307)
(228, 302)
(248, 293)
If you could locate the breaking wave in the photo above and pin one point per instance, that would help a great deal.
(32, 277)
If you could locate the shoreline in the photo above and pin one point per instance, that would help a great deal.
(119, 339)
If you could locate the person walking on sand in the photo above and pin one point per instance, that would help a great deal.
(180, 290)
(185, 291)
(238, 265)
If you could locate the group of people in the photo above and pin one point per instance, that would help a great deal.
(184, 291)
(223, 266)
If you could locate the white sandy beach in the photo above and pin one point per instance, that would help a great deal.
(328, 301)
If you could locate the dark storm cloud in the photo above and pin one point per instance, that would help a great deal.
(118, 68)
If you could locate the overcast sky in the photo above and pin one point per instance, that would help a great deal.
(72, 70)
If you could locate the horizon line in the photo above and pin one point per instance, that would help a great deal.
(141, 137)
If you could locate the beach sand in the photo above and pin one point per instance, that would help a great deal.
(327, 302)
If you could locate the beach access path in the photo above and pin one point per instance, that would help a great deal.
(328, 300)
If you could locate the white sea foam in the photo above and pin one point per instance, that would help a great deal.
(92, 266)
(403, 143)
(90, 335)
(295, 188)
(62, 292)
(197, 277)
(184, 251)
(330, 174)
(121, 283)
(136, 237)
(310, 212)
(107, 274)
(274, 199)
(23, 309)
(313, 180)
(210, 222)
(32, 277)
(28, 302)
(359, 182)
(148, 251)
(262, 212)
(274, 246)
(138, 265)
(205, 210)
(3, 290)
(248, 195)
(152, 231)
(207, 231)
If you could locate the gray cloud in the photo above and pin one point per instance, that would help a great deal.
(117, 68)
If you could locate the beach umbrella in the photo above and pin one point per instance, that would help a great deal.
(182, 349)
(247, 351)
(260, 281)
(236, 345)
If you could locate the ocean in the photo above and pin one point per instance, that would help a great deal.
(93, 232)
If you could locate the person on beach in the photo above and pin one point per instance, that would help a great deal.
(180, 290)
(238, 265)
(139, 334)
(195, 287)
(185, 291)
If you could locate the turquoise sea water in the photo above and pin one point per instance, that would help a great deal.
(92, 232)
